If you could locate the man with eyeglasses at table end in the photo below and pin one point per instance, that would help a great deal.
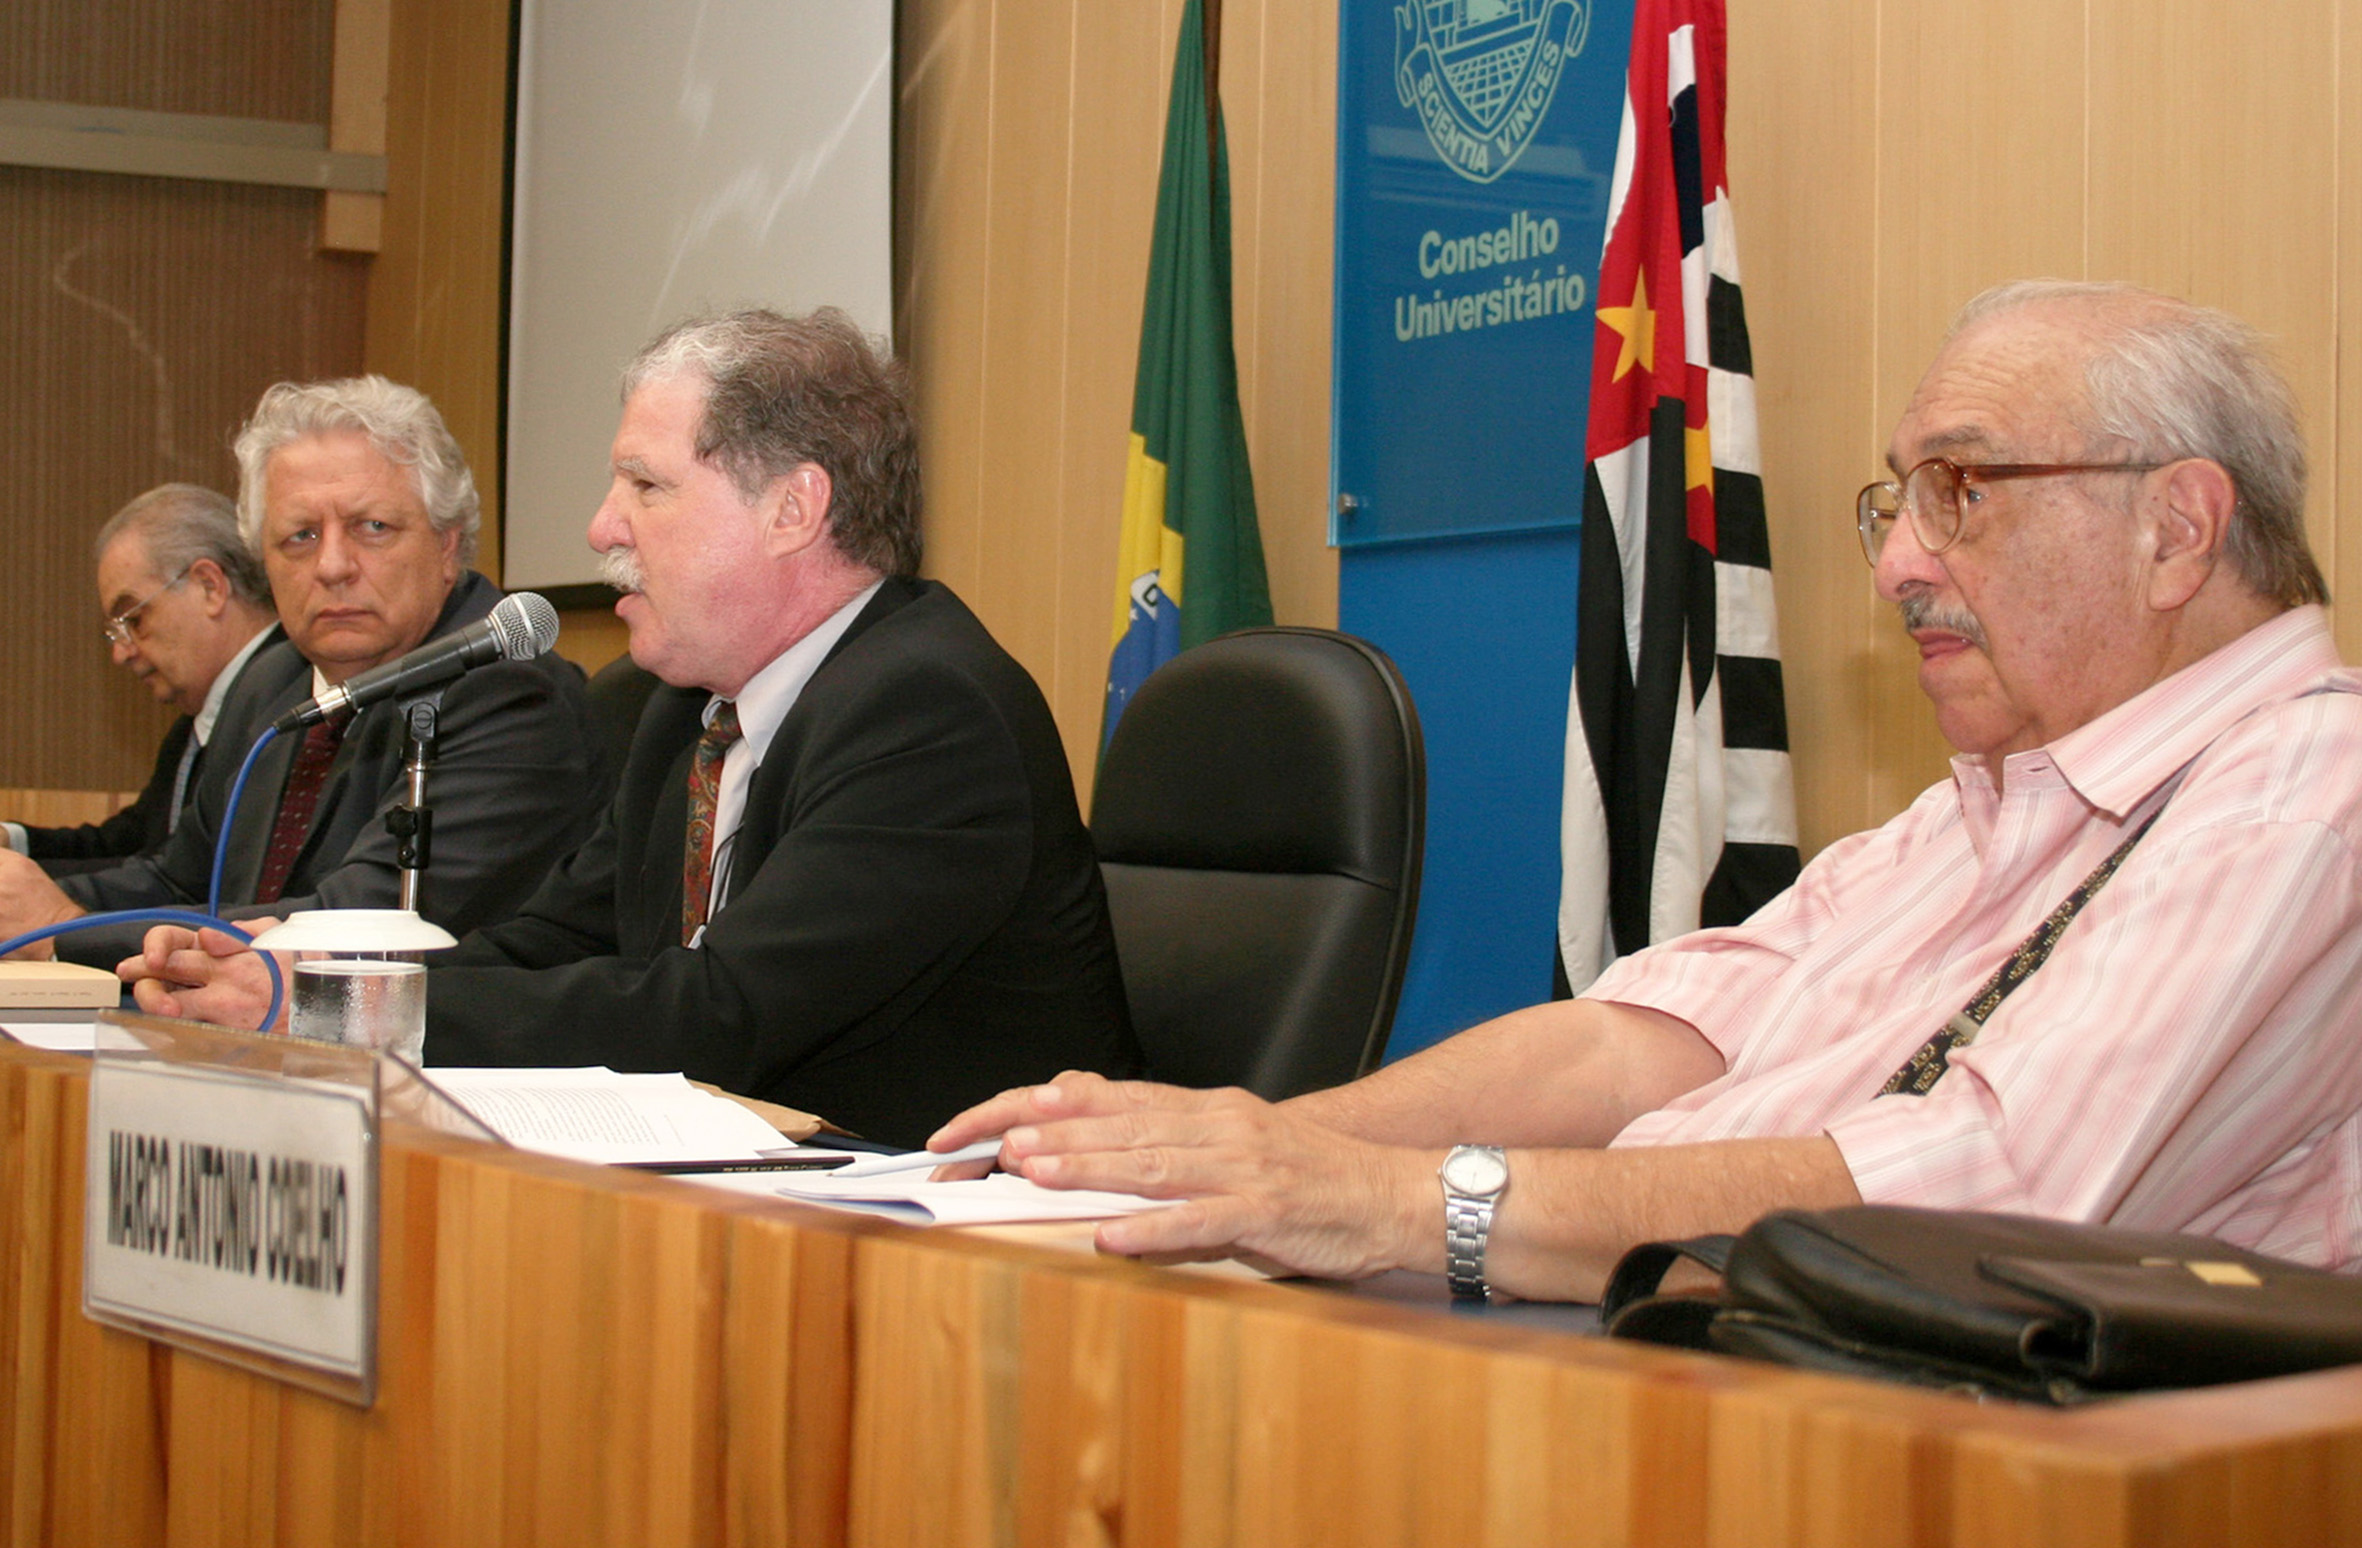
(2094, 530)
(186, 606)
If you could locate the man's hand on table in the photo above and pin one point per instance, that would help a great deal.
(29, 900)
(204, 975)
(1256, 1180)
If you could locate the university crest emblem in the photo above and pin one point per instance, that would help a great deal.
(1481, 73)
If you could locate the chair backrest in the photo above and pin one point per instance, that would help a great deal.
(1260, 817)
(618, 692)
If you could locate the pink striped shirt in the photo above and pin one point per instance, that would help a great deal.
(2190, 1057)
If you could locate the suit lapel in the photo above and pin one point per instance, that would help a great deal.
(257, 814)
(667, 853)
(766, 792)
(656, 802)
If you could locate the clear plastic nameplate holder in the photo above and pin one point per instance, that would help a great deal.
(232, 1204)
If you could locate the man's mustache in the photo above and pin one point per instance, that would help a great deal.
(1921, 611)
(620, 568)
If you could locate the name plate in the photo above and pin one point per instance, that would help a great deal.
(228, 1213)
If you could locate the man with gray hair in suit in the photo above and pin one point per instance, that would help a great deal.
(362, 511)
(186, 606)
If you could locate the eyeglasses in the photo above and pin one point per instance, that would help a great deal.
(123, 628)
(1937, 492)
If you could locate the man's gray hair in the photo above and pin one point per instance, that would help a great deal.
(781, 391)
(2173, 380)
(400, 423)
(178, 524)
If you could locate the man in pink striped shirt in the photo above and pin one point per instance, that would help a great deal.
(2094, 532)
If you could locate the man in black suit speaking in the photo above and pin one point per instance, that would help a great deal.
(844, 869)
(186, 605)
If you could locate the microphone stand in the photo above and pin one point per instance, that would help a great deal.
(412, 824)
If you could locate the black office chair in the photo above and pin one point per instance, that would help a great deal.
(618, 692)
(1260, 817)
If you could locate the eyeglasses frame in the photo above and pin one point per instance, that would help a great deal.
(1986, 472)
(123, 628)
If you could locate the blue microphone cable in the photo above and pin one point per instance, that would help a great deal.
(178, 916)
(229, 816)
(209, 920)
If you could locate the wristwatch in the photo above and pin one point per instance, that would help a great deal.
(1474, 1178)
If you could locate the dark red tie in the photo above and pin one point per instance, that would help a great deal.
(705, 793)
(297, 805)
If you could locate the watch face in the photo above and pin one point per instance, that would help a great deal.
(1476, 1172)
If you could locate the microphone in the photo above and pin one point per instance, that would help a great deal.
(520, 627)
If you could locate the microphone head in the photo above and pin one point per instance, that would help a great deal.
(523, 625)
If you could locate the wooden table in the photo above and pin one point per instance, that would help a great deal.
(576, 1356)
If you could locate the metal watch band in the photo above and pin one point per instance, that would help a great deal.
(1468, 1215)
(1466, 1225)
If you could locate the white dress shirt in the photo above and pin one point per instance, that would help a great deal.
(762, 704)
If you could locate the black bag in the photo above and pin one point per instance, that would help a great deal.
(1993, 1304)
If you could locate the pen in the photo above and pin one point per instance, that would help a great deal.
(875, 1166)
(766, 1164)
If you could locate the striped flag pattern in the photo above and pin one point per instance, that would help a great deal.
(1679, 807)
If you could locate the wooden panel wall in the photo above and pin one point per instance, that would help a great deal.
(1028, 143)
(257, 59)
(139, 319)
(1889, 158)
(63, 808)
(437, 287)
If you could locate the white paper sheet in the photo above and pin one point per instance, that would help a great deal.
(599, 1115)
(999, 1199)
(62, 1036)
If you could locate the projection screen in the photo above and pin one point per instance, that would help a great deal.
(706, 156)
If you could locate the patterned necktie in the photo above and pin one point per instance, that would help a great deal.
(705, 793)
(297, 804)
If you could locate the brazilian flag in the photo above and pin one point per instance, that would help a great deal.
(1191, 559)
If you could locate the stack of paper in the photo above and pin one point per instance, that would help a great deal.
(599, 1115)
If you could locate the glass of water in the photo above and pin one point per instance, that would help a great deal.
(367, 1002)
(360, 975)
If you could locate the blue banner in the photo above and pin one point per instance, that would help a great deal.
(1475, 144)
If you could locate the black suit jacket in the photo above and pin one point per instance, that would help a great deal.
(138, 828)
(914, 918)
(142, 827)
(514, 784)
